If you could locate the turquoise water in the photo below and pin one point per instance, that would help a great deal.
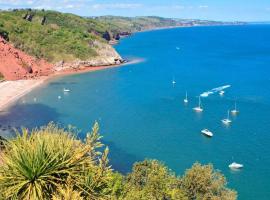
(143, 116)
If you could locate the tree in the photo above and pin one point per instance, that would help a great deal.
(151, 179)
(203, 182)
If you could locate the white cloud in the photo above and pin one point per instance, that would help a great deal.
(116, 6)
(203, 6)
(46, 4)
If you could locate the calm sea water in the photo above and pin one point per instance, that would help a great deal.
(143, 116)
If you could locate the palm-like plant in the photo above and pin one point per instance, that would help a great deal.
(35, 163)
(67, 192)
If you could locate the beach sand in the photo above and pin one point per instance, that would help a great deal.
(10, 91)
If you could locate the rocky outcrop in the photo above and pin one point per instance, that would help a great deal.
(106, 56)
(15, 64)
(107, 35)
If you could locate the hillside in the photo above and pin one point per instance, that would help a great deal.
(51, 35)
(70, 41)
(65, 40)
(135, 24)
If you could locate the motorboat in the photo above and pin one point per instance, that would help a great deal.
(235, 165)
(207, 132)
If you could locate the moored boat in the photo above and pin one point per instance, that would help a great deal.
(207, 133)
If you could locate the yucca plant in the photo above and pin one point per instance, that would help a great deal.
(67, 192)
(37, 161)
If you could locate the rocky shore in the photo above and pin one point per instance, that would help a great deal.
(23, 72)
(17, 65)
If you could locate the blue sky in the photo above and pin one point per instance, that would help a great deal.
(226, 10)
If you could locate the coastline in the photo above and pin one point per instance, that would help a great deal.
(11, 91)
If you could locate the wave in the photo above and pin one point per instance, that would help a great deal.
(214, 90)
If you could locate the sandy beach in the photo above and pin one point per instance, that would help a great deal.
(10, 91)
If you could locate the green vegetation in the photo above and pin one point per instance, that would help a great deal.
(133, 24)
(57, 36)
(51, 35)
(52, 163)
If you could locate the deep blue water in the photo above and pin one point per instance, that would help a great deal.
(142, 115)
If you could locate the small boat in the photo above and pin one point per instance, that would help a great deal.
(177, 48)
(235, 165)
(235, 111)
(186, 99)
(221, 93)
(205, 94)
(59, 97)
(207, 132)
(198, 108)
(227, 121)
(173, 82)
(66, 90)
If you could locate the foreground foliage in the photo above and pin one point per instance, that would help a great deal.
(51, 163)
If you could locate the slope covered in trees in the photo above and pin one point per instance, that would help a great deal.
(51, 35)
(52, 163)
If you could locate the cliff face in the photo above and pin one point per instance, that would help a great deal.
(15, 64)
(107, 56)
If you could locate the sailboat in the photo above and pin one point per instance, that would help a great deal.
(235, 111)
(186, 99)
(198, 108)
(227, 121)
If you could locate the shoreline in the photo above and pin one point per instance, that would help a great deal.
(11, 91)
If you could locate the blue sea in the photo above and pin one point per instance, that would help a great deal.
(142, 114)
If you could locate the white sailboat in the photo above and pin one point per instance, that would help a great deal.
(198, 108)
(186, 99)
(235, 111)
(227, 121)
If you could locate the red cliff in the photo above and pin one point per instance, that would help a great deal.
(15, 64)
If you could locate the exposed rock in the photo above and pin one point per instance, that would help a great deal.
(107, 56)
(15, 64)
(107, 36)
(43, 20)
(117, 36)
(28, 17)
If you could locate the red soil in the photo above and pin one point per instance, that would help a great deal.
(15, 64)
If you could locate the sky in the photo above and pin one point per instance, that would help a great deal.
(225, 10)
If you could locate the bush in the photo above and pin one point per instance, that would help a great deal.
(51, 163)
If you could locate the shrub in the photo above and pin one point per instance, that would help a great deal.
(51, 163)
